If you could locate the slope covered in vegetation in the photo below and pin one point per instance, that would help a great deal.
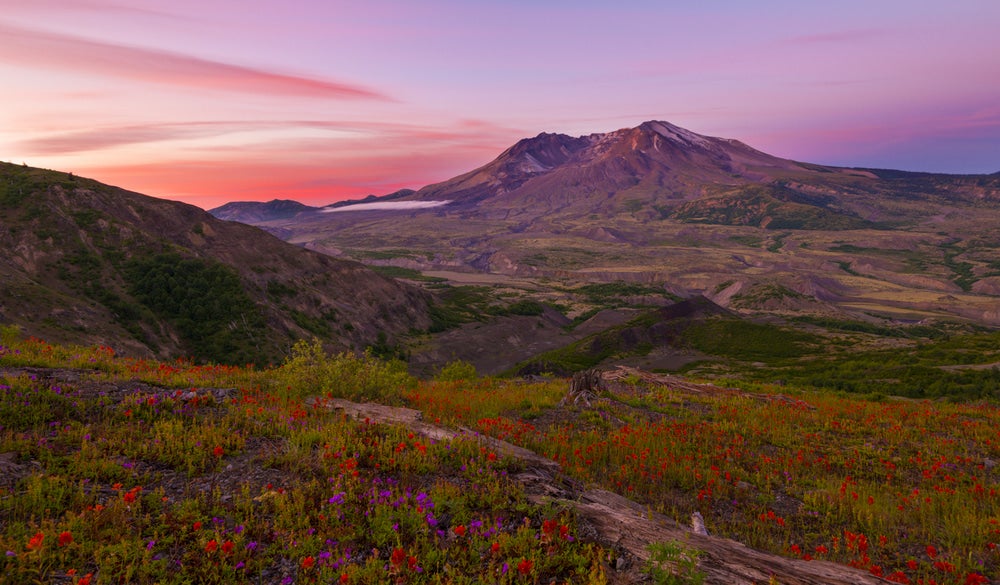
(124, 470)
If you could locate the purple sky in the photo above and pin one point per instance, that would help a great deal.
(321, 100)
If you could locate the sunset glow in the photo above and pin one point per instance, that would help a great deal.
(321, 101)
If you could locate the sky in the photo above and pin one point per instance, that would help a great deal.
(323, 100)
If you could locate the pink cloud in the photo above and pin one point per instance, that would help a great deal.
(394, 135)
(26, 47)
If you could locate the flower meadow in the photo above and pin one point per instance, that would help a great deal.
(110, 479)
(908, 490)
(137, 471)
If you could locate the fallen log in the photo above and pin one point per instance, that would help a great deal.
(620, 524)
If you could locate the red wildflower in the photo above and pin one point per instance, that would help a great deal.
(65, 538)
(35, 542)
(196, 526)
(398, 557)
(218, 451)
(459, 530)
(344, 578)
(931, 551)
(308, 562)
(85, 580)
(898, 577)
(227, 547)
(495, 547)
(549, 526)
(912, 564)
(524, 567)
(211, 545)
(130, 495)
(821, 550)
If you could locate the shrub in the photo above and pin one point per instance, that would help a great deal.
(309, 370)
(456, 371)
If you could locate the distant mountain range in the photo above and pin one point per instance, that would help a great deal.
(698, 215)
(675, 174)
(89, 263)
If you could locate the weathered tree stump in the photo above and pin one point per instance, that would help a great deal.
(583, 388)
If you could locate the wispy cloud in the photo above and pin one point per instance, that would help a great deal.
(350, 134)
(35, 48)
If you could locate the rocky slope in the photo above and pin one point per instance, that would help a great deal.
(94, 264)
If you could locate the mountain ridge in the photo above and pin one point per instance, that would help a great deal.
(91, 263)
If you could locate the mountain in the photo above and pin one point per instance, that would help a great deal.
(659, 205)
(94, 264)
(256, 212)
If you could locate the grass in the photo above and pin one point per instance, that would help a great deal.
(225, 474)
(112, 480)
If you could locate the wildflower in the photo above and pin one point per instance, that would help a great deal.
(85, 580)
(227, 547)
(344, 578)
(398, 558)
(211, 546)
(196, 526)
(459, 530)
(130, 495)
(931, 551)
(976, 579)
(549, 527)
(65, 538)
(35, 542)
(495, 547)
(218, 451)
(524, 567)
(308, 562)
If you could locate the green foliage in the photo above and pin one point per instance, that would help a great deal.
(204, 300)
(671, 563)
(526, 308)
(455, 371)
(743, 340)
(277, 290)
(913, 331)
(315, 325)
(309, 370)
(765, 292)
(772, 207)
(407, 273)
(941, 366)
(460, 304)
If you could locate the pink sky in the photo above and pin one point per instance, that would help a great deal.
(321, 100)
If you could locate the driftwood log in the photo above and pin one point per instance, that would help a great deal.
(623, 525)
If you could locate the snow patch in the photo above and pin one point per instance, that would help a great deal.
(387, 206)
(533, 165)
(677, 133)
